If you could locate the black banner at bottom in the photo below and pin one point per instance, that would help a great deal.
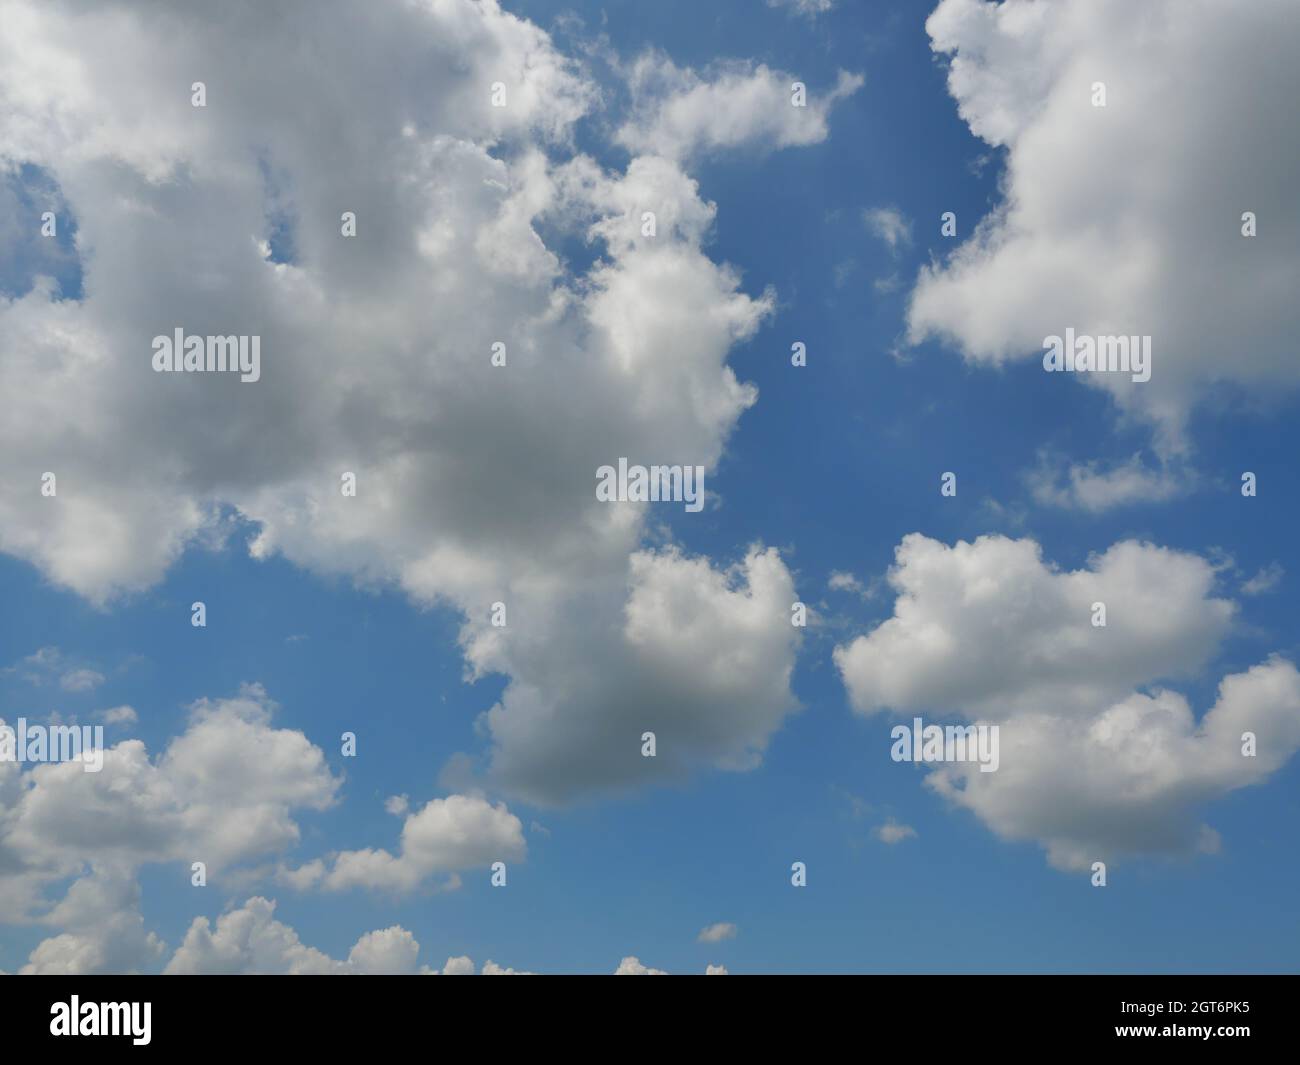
(1228, 1015)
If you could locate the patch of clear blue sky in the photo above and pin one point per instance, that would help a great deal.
(834, 465)
(26, 194)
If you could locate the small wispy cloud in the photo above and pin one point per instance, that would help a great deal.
(1095, 489)
(716, 933)
(890, 225)
(1265, 580)
(810, 8)
(678, 112)
(843, 581)
(48, 664)
(81, 680)
(893, 832)
(120, 715)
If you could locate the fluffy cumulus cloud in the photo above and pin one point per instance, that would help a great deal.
(632, 966)
(491, 968)
(1127, 218)
(475, 483)
(104, 931)
(224, 792)
(1098, 759)
(119, 715)
(678, 112)
(464, 966)
(249, 940)
(700, 657)
(446, 835)
(227, 792)
(993, 628)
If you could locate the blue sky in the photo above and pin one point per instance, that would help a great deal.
(832, 465)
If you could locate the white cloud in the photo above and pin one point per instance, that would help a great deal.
(104, 931)
(677, 113)
(81, 680)
(49, 664)
(36, 667)
(894, 832)
(1132, 778)
(223, 792)
(249, 940)
(451, 195)
(1126, 219)
(631, 966)
(989, 626)
(716, 933)
(1086, 486)
(120, 715)
(843, 581)
(445, 836)
(889, 225)
(387, 951)
(811, 8)
(464, 966)
(701, 657)
(304, 877)
(491, 968)
(715, 970)
(1097, 759)
(1266, 580)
